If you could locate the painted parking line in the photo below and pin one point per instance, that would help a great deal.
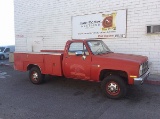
(3, 75)
(6, 65)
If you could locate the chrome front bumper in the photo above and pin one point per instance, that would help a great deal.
(141, 79)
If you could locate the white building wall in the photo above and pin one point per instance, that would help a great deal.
(46, 24)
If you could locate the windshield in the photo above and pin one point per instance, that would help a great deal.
(98, 47)
(2, 49)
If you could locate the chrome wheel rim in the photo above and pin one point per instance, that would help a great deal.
(35, 76)
(113, 88)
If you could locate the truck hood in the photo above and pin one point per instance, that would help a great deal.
(125, 57)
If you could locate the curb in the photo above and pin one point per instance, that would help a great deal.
(152, 82)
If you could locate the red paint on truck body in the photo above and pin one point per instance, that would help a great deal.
(47, 62)
(71, 66)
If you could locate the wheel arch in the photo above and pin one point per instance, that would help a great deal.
(107, 72)
(2, 55)
(30, 66)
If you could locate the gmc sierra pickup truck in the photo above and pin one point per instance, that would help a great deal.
(88, 60)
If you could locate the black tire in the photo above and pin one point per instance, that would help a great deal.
(114, 87)
(2, 57)
(35, 75)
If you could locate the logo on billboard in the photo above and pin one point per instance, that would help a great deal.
(109, 22)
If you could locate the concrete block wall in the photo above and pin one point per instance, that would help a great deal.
(41, 24)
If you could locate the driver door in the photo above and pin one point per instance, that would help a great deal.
(77, 63)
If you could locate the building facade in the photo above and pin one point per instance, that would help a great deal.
(47, 25)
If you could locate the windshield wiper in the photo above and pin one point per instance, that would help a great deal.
(99, 53)
(106, 52)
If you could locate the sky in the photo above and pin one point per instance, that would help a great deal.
(7, 36)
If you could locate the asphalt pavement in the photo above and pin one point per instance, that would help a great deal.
(60, 98)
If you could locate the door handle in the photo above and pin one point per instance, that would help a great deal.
(84, 57)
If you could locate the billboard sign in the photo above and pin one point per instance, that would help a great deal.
(102, 25)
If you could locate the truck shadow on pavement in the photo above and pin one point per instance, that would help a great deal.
(134, 94)
(79, 87)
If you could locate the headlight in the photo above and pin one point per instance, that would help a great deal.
(140, 70)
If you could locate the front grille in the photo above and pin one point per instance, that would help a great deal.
(144, 67)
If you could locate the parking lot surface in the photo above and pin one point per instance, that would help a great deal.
(60, 98)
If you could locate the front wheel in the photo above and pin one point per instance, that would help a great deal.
(114, 87)
(35, 75)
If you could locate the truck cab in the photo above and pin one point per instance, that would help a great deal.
(89, 59)
(92, 60)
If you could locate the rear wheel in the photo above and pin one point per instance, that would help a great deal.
(35, 75)
(2, 57)
(114, 87)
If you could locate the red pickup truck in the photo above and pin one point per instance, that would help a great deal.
(86, 60)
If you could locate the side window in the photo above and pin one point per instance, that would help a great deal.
(74, 47)
(7, 50)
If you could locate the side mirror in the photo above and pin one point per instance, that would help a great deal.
(79, 53)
